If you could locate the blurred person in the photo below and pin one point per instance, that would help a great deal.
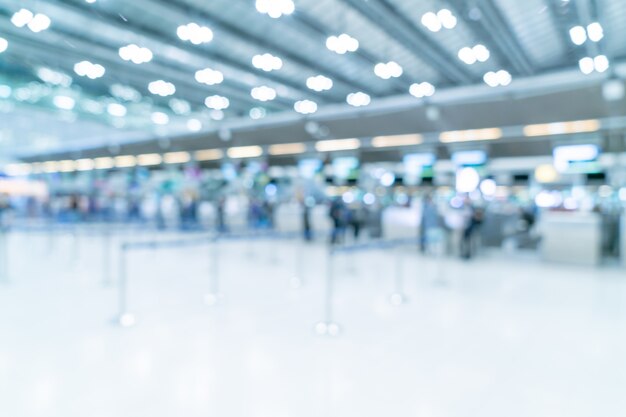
(306, 221)
(337, 214)
(472, 225)
(356, 219)
(430, 220)
(221, 215)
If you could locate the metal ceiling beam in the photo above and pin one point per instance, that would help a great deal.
(482, 31)
(275, 48)
(169, 39)
(496, 23)
(397, 25)
(561, 16)
(361, 57)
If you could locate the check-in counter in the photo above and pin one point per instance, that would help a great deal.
(572, 237)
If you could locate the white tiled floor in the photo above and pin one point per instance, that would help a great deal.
(502, 337)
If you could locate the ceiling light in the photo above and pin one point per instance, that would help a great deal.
(116, 110)
(209, 76)
(471, 135)
(263, 93)
(217, 115)
(22, 17)
(257, 113)
(125, 161)
(84, 164)
(588, 65)
(388, 70)
(396, 140)
(53, 77)
(92, 106)
(17, 170)
(161, 88)
(104, 162)
(337, 145)
(562, 128)
(244, 152)
(287, 149)
(159, 118)
(342, 44)
(149, 159)
(35, 22)
(176, 157)
(358, 99)
(125, 93)
(595, 32)
(319, 83)
(267, 62)
(436, 21)
(275, 8)
(39, 23)
(194, 125)
(180, 107)
(217, 102)
(194, 33)
(208, 155)
(601, 63)
(66, 166)
(305, 107)
(89, 70)
(135, 54)
(4, 44)
(51, 167)
(496, 79)
(420, 90)
(478, 53)
(578, 35)
(64, 102)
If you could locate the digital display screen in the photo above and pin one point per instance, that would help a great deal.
(309, 167)
(469, 158)
(345, 168)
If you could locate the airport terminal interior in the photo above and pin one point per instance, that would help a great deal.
(312, 208)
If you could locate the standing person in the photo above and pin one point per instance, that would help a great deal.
(429, 220)
(472, 226)
(337, 215)
(221, 215)
(306, 221)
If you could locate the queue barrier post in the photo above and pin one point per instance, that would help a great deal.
(124, 317)
(328, 327)
(212, 297)
(398, 297)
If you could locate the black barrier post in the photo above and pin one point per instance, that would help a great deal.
(328, 327)
(124, 318)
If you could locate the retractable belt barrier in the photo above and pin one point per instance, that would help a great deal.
(126, 319)
(328, 326)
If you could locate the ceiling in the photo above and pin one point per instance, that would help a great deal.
(529, 39)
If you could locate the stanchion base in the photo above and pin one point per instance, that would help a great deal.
(212, 299)
(327, 329)
(125, 320)
(397, 299)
